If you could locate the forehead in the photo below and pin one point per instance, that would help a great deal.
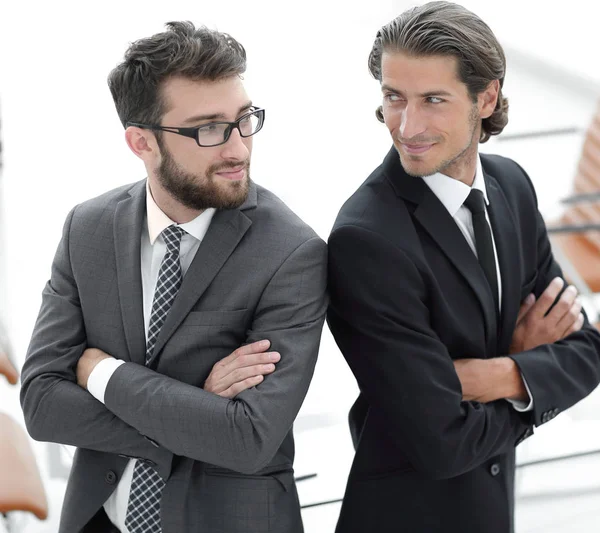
(184, 98)
(402, 72)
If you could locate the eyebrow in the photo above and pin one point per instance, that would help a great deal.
(439, 92)
(215, 116)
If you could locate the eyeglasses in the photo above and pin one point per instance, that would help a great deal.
(215, 133)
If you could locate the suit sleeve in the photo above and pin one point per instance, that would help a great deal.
(380, 318)
(559, 374)
(55, 407)
(242, 434)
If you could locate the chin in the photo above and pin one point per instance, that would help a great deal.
(236, 193)
(233, 188)
(414, 165)
(418, 169)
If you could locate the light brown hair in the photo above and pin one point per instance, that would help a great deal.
(447, 29)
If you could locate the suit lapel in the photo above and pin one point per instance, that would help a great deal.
(434, 217)
(507, 246)
(224, 234)
(129, 218)
(442, 228)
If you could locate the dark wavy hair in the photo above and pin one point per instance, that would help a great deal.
(183, 50)
(444, 28)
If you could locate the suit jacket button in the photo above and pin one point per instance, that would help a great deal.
(495, 469)
(110, 477)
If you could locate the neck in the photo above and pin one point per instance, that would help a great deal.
(466, 174)
(176, 211)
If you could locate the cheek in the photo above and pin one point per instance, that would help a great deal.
(391, 120)
(195, 160)
(458, 121)
(248, 144)
(441, 125)
(200, 164)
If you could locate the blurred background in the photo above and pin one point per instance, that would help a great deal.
(307, 65)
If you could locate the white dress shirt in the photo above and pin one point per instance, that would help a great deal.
(153, 249)
(453, 193)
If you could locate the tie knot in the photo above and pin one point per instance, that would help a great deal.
(172, 236)
(475, 201)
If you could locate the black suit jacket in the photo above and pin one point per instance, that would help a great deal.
(407, 297)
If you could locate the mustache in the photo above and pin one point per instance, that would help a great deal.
(218, 167)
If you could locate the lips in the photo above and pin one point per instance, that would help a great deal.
(234, 174)
(416, 148)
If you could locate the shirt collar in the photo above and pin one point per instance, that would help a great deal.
(158, 221)
(453, 193)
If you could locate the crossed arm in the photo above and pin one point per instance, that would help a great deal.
(538, 323)
(55, 408)
(241, 433)
(244, 433)
(556, 350)
(429, 403)
(403, 369)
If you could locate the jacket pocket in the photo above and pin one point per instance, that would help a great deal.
(239, 503)
(285, 477)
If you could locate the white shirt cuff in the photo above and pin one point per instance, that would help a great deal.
(98, 379)
(520, 405)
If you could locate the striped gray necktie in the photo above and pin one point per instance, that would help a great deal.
(143, 509)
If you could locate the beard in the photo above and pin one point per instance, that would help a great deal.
(446, 165)
(203, 192)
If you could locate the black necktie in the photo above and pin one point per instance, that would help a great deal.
(483, 241)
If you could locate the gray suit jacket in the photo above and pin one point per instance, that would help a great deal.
(260, 272)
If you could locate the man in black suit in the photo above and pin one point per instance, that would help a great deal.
(445, 298)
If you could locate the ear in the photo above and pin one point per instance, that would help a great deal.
(142, 143)
(487, 99)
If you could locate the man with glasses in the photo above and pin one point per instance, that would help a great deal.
(180, 328)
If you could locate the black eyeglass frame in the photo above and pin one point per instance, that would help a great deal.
(193, 132)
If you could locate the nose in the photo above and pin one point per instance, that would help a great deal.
(412, 123)
(236, 147)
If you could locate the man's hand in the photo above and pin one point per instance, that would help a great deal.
(535, 327)
(241, 370)
(487, 380)
(87, 362)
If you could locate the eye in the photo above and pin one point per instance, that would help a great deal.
(391, 97)
(209, 128)
(434, 100)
